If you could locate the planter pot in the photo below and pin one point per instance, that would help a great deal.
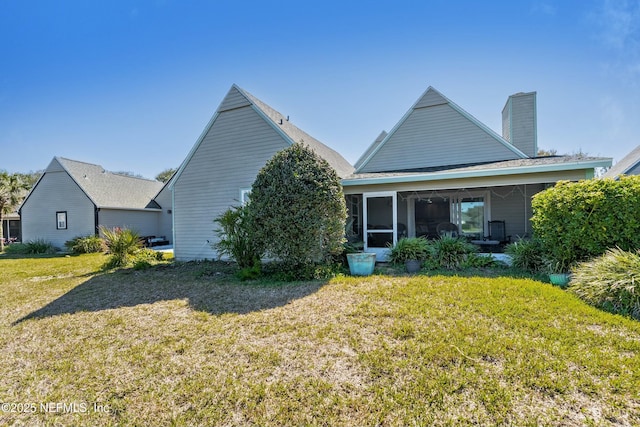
(412, 265)
(560, 279)
(361, 264)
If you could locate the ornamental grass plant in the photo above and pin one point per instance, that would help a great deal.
(610, 282)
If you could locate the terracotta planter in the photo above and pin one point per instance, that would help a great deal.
(361, 264)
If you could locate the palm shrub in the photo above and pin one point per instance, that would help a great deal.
(610, 282)
(123, 244)
(410, 248)
(235, 238)
(451, 252)
(86, 245)
(297, 212)
(526, 255)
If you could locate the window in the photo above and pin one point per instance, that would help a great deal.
(245, 195)
(61, 220)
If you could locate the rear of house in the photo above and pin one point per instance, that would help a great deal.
(243, 134)
(440, 170)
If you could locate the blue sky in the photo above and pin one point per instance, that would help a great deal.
(131, 85)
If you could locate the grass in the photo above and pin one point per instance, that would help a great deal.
(188, 344)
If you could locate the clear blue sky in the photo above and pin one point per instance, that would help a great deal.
(131, 84)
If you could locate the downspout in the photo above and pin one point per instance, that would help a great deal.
(96, 220)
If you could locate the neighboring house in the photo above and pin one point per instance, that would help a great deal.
(74, 198)
(628, 165)
(440, 166)
(243, 134)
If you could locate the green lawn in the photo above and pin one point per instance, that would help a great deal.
(187, 344)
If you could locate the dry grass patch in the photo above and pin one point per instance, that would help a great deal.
(187, 344)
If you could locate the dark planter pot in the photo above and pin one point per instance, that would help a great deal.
(361, 264)
(412, 265)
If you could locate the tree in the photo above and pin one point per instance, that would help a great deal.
(165, 175)
(297, 209)
(12, 190)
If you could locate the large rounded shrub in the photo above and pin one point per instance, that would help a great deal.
(297, 210)
(581, 220)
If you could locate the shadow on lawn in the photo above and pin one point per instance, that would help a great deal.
(214, 292)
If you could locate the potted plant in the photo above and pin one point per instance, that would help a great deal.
(559, 271)
(410, 251)
(360, 263)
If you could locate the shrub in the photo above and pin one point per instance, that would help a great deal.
(123, 244)
(451, 252)
(526, 255)
(32, 247)
(86, 245)
(578, 221)
(474, 260)
(410, 248)
(297, 211)
(235, 237)
(610, 282)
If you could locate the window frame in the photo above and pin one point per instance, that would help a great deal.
(66, 223)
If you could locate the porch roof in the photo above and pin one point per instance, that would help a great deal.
(501, 168)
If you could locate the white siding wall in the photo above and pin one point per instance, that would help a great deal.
(437, 136)
(238, 144)
(144, 223)
(56, 191)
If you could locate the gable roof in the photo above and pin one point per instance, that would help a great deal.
(626, 164)
(106, 189)
(238, 98)
(436, 103)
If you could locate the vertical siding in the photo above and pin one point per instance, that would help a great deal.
(519, 124)
(437, 136)
(55, 192)
(144, 223)
(238, 144)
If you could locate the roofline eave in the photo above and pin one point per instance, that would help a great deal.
(515, 170)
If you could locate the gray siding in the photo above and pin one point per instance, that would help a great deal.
(635, 170)
(165, 219)
(234, 99)
(236, 146)
(144, 223)
(437, 136)
(519, 122)
(55, 192)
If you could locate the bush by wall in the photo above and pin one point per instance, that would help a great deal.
(86, 245)
(578, 221)
(297, 212)
(610, 282)
(236, 239)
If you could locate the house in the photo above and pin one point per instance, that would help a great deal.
(440, 167)
(74, 198)
(628, 165)
(243, 134)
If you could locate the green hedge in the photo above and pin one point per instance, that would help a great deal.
(578, 221)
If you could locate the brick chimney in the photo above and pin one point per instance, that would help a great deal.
(519, 122)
